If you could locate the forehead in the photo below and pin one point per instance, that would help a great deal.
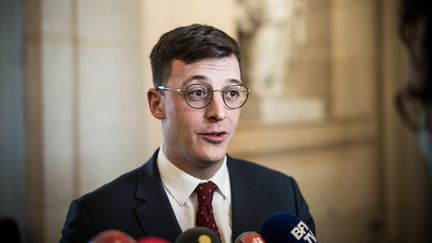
(209, 70)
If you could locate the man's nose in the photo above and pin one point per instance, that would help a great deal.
(217, 109)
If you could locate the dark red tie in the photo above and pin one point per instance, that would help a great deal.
(204, 216)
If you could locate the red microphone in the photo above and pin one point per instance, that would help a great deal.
(152, 240)
(249, 237)
(112, 236)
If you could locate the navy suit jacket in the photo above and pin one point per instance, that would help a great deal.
(136, 203)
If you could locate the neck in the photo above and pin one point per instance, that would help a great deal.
(198, 170)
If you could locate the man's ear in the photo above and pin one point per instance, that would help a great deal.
(154, 98)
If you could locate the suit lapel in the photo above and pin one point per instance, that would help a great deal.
(245, 204)
(155, 213)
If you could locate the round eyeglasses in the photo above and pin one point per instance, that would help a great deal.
(199, 96)
(414, 109)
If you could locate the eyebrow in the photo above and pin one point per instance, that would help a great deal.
(202, 78)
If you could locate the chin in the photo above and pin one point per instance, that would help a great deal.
(210, 152)
(214, 155)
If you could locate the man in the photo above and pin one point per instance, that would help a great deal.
(414, 102)
(197, 97)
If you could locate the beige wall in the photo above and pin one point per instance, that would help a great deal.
(86, 103)
(87, 72)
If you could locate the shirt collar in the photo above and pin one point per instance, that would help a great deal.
(172, 176)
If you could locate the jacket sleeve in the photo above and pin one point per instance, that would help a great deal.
(302, 208)
(77, 227)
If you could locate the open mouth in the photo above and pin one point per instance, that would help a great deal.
(216, 137)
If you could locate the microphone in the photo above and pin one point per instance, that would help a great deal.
(199, 235)
(152, 239)
(249, 237)
(282, 227)
(112, 236)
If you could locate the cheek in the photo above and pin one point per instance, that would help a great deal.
(182, 120)
(175, 109)
(234, 117)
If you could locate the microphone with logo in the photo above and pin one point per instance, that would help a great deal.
(249, 237)
(198, 235)
(282, 227)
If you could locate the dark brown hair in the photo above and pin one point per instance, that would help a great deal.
(189, 44)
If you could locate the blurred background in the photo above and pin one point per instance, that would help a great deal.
(73, 82)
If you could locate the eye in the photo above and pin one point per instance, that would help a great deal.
(197, 91)
(232, 92)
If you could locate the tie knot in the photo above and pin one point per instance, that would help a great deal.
(205, 193)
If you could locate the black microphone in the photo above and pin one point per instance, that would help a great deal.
(282, 227)
(198, 235)
(249, 237)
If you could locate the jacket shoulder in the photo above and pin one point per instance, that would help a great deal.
(124, 184)
(254, 170)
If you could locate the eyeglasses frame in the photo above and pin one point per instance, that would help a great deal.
(162, 88)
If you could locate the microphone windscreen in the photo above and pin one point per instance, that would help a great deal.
(249, 237)
(198, 235)
(283, 227)
(152, 239)
(112, 236)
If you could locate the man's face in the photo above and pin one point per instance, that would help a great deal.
(199, 137)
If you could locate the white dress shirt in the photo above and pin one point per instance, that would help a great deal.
(180, 186)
